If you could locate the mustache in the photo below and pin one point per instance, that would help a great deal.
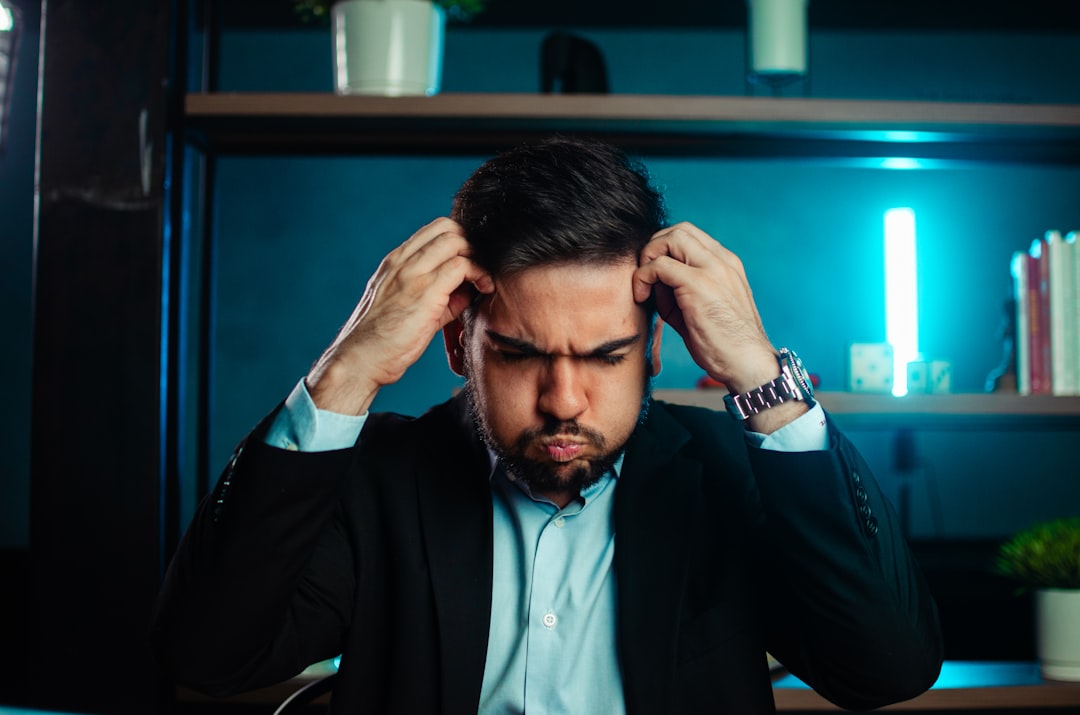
(556, 428)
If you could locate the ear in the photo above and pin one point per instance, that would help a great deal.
(455, 350)
(658, 333)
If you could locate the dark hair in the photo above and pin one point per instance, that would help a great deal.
(560, 199)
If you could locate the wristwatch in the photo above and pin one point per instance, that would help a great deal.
(793, 384)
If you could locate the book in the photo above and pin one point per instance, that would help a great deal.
(1038, 292)
(1062, 299)
(1072, 239)
(1021, 345)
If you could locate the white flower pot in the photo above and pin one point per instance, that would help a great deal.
(388, 47)
(1057, 616)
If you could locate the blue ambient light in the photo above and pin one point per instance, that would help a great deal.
(901, 162)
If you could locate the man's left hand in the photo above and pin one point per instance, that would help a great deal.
(702, 292)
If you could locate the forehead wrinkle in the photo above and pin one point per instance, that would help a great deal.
(571, 309)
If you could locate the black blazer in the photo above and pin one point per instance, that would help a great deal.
(383, 553)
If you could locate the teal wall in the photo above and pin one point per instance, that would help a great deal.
(298, 237)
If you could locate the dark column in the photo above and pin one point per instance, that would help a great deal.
(99, 523)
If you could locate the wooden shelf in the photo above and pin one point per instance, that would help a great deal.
(974, 410)
(841, 130)
(964, 16)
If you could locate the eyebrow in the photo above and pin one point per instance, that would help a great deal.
(527, 348)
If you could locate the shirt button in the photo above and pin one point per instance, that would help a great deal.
(559, 522)
(550, 620)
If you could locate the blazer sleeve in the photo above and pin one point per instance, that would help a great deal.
(257, 590)
(848, 610)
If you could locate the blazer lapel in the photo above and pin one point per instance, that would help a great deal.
(455, 511)
(651, 557)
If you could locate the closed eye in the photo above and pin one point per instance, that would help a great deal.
(506, 356)
(512, 350)
(606, 359)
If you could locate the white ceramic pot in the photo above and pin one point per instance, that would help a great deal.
(388, 47)
(1057, 616)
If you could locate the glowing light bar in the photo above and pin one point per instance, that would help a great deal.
(901, 296)
(7, 21)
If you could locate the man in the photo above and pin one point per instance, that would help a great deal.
(551, 540)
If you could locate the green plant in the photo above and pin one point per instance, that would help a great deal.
(318, 11)
(1045, 555)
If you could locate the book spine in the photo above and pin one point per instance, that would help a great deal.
(1039, 317)
(1045, 352)
(1072, 318)
(1059, 268)
(1021, 343)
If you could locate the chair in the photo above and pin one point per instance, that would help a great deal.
(299, 700)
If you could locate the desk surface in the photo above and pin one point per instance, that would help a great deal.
(9, 710)
(961, 685)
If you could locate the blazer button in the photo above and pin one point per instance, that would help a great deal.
(871, 526)
(225, 486)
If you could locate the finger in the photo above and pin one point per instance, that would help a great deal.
(477, 281)
(430, 254)
(710, 283)
(458, 281)
(687, 243)
(425, 235)
(484, 282)
(437, 250)
(682, 231)
(698, 252)
(663, 270)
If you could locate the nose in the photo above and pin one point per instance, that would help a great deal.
(562, 390)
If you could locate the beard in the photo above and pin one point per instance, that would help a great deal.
(542, 476)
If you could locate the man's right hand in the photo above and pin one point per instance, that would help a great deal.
(421, 286)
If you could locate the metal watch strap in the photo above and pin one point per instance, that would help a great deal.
(777, 392)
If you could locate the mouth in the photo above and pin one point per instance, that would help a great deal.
(562, 450)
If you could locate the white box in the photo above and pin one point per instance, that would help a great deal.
(918, 380)
(939, 377)
(870, 368)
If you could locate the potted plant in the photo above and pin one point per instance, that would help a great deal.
(1046, 557)
(387, 47)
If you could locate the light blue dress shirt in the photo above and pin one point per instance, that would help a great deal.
(552, 638)
(551, 642)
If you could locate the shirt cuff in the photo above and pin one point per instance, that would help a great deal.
(807, 433)
(302, 427)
